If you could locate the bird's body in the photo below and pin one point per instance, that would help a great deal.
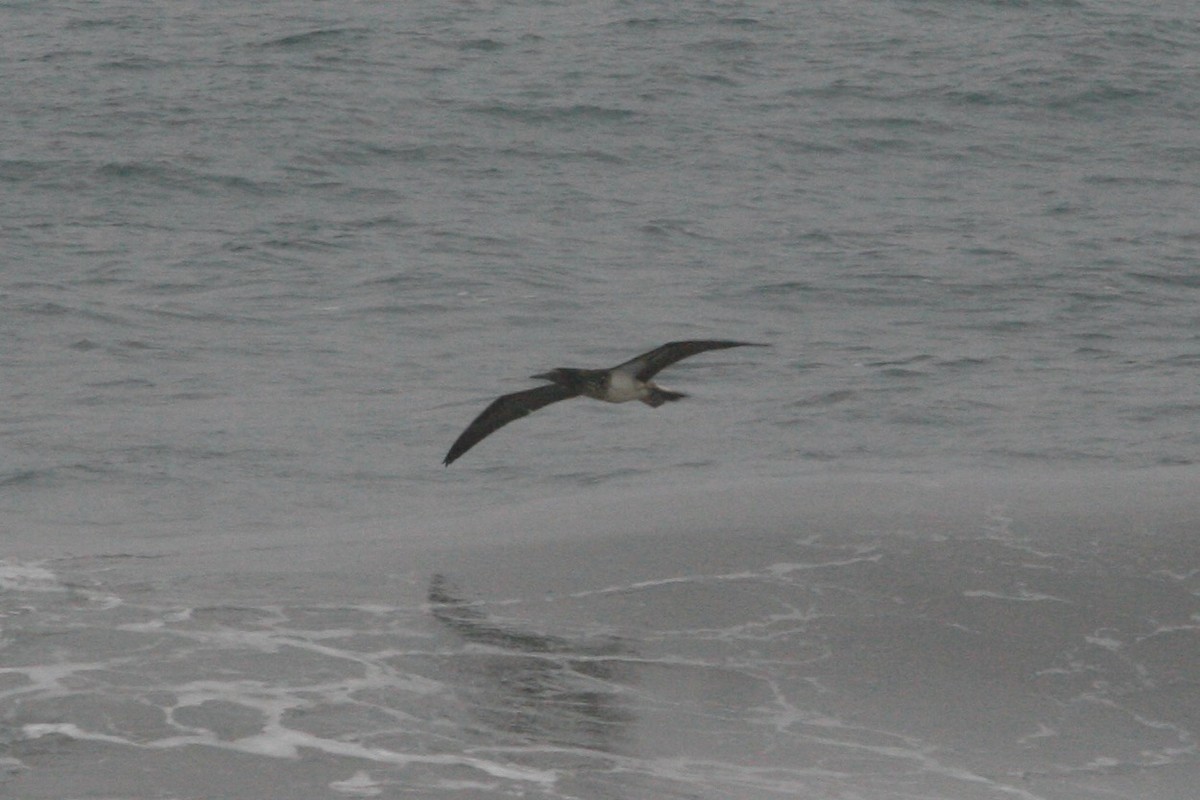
(621, 384)
(623, 387)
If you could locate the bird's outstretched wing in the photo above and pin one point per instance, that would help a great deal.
(503, 410)
(647, 365)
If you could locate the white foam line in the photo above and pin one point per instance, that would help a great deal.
(1023, 597)
(275, 641)
(773, 571)
(47, 679)
(785, 568)
(287, 744)
(360, 784)
(929, 764)
(1107, 642)
(16, 577)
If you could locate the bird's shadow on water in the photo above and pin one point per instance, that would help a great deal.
(534, 685)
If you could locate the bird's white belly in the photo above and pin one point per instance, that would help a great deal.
(624, 387)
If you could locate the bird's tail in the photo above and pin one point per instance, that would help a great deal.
(659, 396)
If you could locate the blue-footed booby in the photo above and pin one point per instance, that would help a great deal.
(622, 383)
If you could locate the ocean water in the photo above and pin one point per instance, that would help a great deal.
(262, 263)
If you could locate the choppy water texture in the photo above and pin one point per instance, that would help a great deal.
(263, 262)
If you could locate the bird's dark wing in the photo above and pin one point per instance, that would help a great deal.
(647, 365)
(503, 410)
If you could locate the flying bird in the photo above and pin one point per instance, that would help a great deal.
(622, 383)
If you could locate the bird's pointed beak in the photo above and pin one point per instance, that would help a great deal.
(545, 376)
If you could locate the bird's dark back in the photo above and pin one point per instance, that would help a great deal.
(584, 381)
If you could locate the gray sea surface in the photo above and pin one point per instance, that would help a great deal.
(262, 262)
